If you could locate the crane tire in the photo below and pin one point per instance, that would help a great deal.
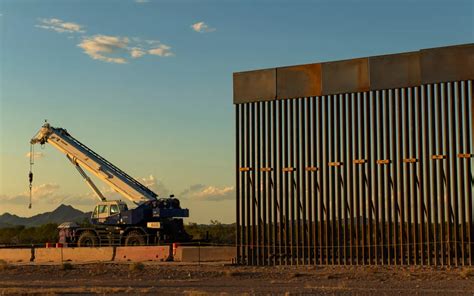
(135, 238)
(88, 239)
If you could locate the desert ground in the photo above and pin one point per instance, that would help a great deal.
(225, 279)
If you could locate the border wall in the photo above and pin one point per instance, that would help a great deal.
(361, 161)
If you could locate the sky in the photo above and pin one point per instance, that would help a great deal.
(147, 84)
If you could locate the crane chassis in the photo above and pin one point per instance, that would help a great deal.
(154, 220)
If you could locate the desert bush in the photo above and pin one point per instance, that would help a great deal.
(196, 293)
(136, 266)
(67, 266)
(467, 272)
(232, 273)
(29, 235)
(216, 232)
(4, 264)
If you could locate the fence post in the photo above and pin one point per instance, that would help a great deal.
(199, 253)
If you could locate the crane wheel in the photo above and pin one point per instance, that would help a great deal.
(88, 239)
(135, 238)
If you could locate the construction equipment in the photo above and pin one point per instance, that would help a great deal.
(153, 221)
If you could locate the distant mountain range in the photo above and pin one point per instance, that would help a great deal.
(63, 213)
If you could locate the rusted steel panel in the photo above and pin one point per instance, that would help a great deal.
(253, 86)
(444, 64)
(299, 81)
(345, 76)
(394, 71)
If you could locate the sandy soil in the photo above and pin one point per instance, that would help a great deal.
(223, 279)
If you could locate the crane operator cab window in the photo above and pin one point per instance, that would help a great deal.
(103, 209)
(107, 209)
(114, 210)
(95, 214)
(101, 212)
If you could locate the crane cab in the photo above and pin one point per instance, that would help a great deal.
(106, 209)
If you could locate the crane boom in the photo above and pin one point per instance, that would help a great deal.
(82, 156)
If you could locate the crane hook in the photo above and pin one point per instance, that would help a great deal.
(30, 174)
(31, 187)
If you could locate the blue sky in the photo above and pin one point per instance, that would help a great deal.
(166, 116)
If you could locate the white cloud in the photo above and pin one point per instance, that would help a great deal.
(116, 49)
(36, 155)
(137, 52)
(142, 1)
(87, 199)
(155, 185)
(106, 48)
(14, 199)
(209, 193)
(162, 50)
(50, 193)
(153, 42)
(60, 26)
(99, 47)
(44, 193)
(202, 27)
(45, 190)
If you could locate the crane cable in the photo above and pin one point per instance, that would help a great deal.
(30, 175)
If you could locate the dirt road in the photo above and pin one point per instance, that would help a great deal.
(221, 279)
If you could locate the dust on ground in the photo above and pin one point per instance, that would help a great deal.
(224, 279)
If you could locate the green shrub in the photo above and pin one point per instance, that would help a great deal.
(216, 232)
(29, 235)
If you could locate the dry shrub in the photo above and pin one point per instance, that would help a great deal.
(232, 273)
(67, 266)
(136, 266)
(106, 290)
(99, 269)
(4, 265)
(467, 272)
(332, 276)
(195, 293)
(298, 274)
(236, 273)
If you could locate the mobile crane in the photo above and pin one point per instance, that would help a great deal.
(153, 221)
